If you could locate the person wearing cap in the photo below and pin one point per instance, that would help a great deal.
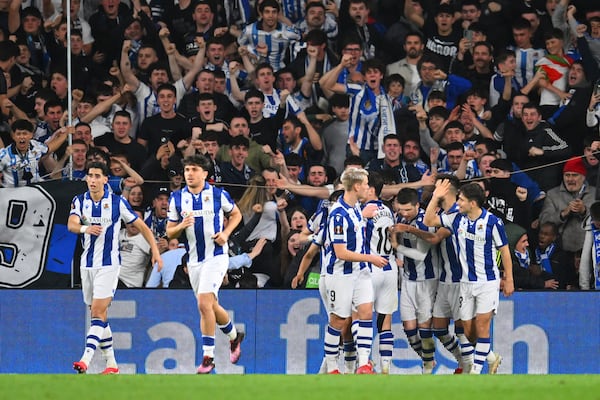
(568, 205)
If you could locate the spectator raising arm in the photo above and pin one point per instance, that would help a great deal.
(126, 70)
(329, 82)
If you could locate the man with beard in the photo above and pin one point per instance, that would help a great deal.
(507, 200)
(480, 72)
(407, 67)
(568, 205)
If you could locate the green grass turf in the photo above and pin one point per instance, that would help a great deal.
(300, 387)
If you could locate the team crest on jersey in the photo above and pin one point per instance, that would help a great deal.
(206, 198)
(480, 226)
(105, 206)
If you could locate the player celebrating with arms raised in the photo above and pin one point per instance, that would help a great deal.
(198, 210)
(478, 234)
(97, 215)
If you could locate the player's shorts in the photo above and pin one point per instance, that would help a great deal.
(323, 294)
(207, 276)
(447, 301)
(478, 298)
(346, 291)
(416, 300)
(99, 283)
(385, 291)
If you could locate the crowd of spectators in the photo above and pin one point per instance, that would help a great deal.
(283, 95)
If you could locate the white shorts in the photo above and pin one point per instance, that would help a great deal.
(478, 298)
(447, 303)
(99, 283)
(385, 291)
(207, 276)
(323, 293)
(346, 291)
(416, 300)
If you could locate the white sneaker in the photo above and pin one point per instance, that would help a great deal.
(494, 360)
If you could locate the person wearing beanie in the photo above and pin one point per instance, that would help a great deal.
(526, 274)
(568, 204)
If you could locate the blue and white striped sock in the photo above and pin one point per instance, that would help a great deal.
(92, 339)
(450, 342)
(482, 349)
(331, 347)
(364, 341)
(349, 357)
(208, 346)
(386, 347)
(466, 348)
(229, 330)
(106, 345)
(414, 340)
(427, 343)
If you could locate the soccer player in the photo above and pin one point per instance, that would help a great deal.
(447, 302)
(198, 210)
(478, 234)
(97, 215)
(347, 278)
(385, 280)
(419, 280)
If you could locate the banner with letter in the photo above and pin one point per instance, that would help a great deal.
(36, 249)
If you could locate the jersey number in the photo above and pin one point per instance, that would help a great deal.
(384, 246)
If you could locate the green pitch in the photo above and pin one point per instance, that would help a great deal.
(300, 387)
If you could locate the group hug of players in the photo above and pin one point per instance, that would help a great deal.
(448, 254)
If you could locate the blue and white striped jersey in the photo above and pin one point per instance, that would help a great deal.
(526, 60)
(428, 266)
(208, 208)
(272, 102)
(376, 237)
(365, 115)
(451, 270)
(102, 250)
(13, 165)
(477, 242)
(148, 102)
(344, 226)
(277, 41)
